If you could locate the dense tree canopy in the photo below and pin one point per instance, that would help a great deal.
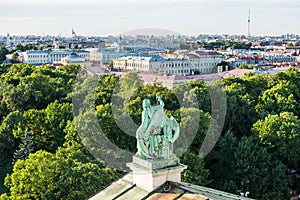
(280, 134)
(3, 53)
(25, 47)
(52, 123)
(68, 174)
(248, 167)
(217, 45)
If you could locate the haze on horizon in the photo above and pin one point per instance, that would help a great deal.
(190, 17)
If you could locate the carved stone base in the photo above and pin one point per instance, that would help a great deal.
(150, 174)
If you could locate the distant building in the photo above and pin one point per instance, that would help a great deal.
(204, 61)
(154, 64)
(279, 57)
(104, 55)
(177, 64)
(146, 51)
(57, 54)
(74, 59)
(38, 57)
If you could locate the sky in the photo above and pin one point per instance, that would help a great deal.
(114, 17)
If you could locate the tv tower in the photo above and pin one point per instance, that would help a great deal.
(249, 35)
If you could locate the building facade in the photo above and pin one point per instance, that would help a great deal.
(155, 64)
(190, 63)
(74, 59)
(104, 55)
(38, 57)
(279, 57)
(204, 61)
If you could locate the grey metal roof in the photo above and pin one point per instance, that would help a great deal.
(161, 58)
(65, 51)
(38, 51)
(124, 189)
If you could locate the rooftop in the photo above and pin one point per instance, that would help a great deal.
(150, 59)
(191, 56)
(124, 189)
(47, 51)
(208, 53)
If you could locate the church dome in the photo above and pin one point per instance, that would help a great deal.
(73, 57)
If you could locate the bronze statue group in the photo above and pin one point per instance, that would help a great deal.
(157, 133)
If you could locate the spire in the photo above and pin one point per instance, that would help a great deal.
(73, 37)
(7, 39)
(120, 43)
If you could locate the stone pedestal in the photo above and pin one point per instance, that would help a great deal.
(149, 174)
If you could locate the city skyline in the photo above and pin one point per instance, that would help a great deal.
(190, 17)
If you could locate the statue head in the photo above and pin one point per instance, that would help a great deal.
(146, 103)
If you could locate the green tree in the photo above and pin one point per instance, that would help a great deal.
(25, 148)
(72, 139)
(57, 116)
(4, 68)
(255, 167)
(46, 126)
(246, 166)
(198, 138)
(282, 77)
(25, 47)
(196, 172)
(293, 75)
(240, 113)
(3, 53)
(128, 84)
(243, 66)
(17, 72)
(25, 86)
(105, 88)
(15, 57)
(8, 143)
(112, 131)
(280, 98)
(255, 84)
(68, 174)
(280, 134)
(224, 177)
(196, 87)
(39, 89)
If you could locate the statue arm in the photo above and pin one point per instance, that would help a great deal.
(160, 100)
(145, 119)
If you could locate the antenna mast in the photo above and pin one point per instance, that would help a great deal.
(249, 35)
